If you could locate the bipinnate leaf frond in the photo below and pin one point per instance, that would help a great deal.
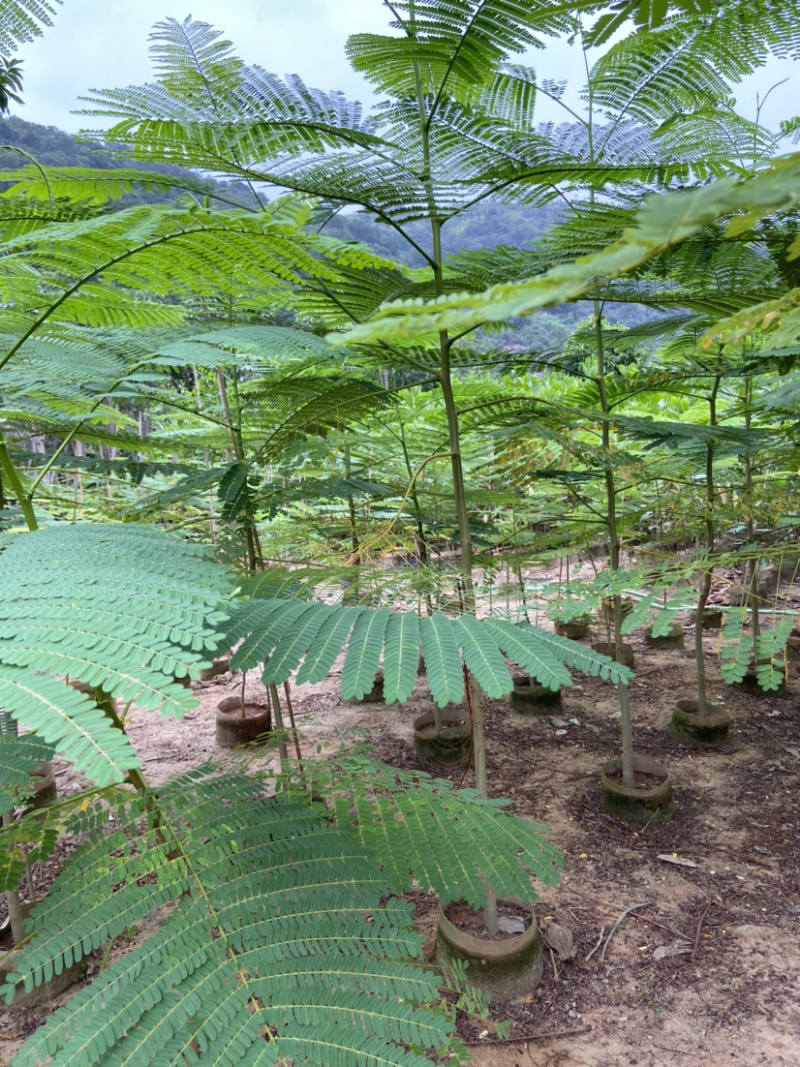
(290, 633)
(456, 43)
(663, 222)
(19, 755)
(390, 811)
(79, 191)
(738, 654)
(265, 346)
(124, 609)
(284, 939)
(207, 110)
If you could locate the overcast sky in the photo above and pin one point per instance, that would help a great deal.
(103, 44)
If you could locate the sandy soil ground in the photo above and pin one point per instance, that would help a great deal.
(732, 996)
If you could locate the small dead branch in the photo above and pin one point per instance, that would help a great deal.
(662, 926)
(699, 930)
(627, 911)
(597, 946)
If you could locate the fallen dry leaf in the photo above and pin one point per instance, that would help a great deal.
(668, 857)
(559, 939)
(677, 948)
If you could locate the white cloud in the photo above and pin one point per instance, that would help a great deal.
(103, 44)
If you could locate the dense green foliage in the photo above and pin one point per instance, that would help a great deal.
(266, 391)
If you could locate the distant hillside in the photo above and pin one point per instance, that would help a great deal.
(53, 148)
(484, 225)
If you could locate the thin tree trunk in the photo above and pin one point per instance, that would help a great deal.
(613, 536)
(705, 588)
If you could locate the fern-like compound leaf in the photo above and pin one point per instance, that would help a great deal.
(285, 940)
(123, 608)
(662, 223)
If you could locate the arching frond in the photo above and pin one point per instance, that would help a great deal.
(285, 939)
(456, 44)
(22, 21)
(663, 222)
(78, 191)
(444, 644)
(125, 609)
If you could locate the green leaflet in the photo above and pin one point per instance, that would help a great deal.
(297, 638)
(442, 660)
(400, 657)
(483, 657)
(521, 645)
(261, 641)
(363, 654)
(329, 642)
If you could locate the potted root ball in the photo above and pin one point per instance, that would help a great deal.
(531, 698)
(375, 695)
(673, 638)
(575, 629)
(240, 722)
(505, 965)
(443, 738)
(219, 666)
(642, 797)
(711, 619)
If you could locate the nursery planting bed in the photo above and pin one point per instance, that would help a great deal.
(719, 884)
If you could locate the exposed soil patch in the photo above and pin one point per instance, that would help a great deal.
(676, 965)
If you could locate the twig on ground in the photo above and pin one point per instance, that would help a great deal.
(627, 911)
(597, 946)
(662, 926)
(553, 961)
(699, 929)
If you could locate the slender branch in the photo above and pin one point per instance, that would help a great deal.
(17, 487)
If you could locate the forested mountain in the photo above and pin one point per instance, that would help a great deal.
(54, 148)
(484, 225)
